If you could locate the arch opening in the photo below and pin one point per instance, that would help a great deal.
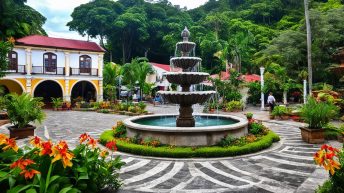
(85, 91)
(10, 86)
(48, 89)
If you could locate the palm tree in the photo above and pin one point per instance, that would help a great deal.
(136, 71)
(309, 46)
(111, 73)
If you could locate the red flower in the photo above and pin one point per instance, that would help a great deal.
(22, 163)
(92, 142)
(324, 147)
(30, 173)
(111, 145)
(83, 137)
(46, 148)
(10, 144)
(36, 141)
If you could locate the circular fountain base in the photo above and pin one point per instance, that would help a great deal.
(209, 129)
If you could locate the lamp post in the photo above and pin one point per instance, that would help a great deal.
(304, 91)
(262, 69)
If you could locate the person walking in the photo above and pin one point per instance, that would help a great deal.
(271, 101)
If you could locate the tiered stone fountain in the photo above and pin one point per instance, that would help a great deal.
(185, 79)
(185, 129)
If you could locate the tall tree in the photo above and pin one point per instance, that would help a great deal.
(309, 47)
(19, 20)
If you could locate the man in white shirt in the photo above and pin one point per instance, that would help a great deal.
(271, 101)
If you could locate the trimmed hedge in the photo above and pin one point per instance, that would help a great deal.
(191, 152)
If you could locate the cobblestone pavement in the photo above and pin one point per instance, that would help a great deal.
(288, 166)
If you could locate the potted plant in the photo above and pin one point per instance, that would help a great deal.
(316, 115)
(22, 110)
(281, 112)
(57, 103)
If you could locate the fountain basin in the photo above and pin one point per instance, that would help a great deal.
(185, 62)
(186, 78)
(186, 47)
(209, 129)
(186, 98)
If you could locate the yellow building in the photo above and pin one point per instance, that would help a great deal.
(55, 67)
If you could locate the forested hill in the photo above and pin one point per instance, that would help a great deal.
(245, 33)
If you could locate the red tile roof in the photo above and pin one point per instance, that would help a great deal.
(251, 78)
(165, 67)
(44, 41)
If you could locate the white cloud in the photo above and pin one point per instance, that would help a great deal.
(58, 14)
(190, 4)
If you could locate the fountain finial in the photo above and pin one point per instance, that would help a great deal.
(185, 34)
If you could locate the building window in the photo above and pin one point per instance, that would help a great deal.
(13, 60)
(49, 62)
(85, 61)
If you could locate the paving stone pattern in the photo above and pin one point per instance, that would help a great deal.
(286, 167)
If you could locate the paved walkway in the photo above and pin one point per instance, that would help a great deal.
(288, 166)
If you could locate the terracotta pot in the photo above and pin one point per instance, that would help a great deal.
(284, 117)
(29, 130)
(314, 136)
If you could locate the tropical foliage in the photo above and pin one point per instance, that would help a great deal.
(46, 167)
(318, 114)
(247, 34)
(24, 109)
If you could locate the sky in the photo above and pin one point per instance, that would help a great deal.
(58, 14)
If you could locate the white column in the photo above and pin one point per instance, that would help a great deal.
(304, 91)
(66, 97)
(67, 66)
(28, 84)
(100, 91)
(100, 65)
(28, 61)
(262, 86)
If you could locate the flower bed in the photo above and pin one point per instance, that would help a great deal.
(51, 168)
(228, 146)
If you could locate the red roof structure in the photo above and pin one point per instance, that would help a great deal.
(49, 42)
(165, 67)
(251, 78)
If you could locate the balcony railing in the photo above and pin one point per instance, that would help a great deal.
(84, 71)
(48, 70)
(16, 69)
(53, 70)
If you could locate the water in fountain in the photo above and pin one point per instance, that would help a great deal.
(190, 75)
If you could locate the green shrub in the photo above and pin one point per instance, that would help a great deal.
(23, 109)
(234, 105)
(249, 115)
(56, 102)
(318, 114)
(256, 128)
(280, 111)
(226, 141)
(84, 105)
(254, 92)
(120, 130)
(189, 152)
(233, 95)
(105, 111)
(142, 105)
(132, 109)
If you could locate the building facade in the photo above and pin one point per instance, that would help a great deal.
(54, 67)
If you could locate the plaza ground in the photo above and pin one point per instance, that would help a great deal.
(287, 166)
